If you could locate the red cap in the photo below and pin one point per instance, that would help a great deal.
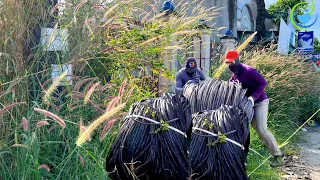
(230, 56)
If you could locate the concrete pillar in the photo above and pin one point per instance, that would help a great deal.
(201, 52)
(196, 49)
(171, 64)
(205, 54)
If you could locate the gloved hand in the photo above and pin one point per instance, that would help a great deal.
(251, 99)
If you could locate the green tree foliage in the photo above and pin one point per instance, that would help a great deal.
(280, 9)
(316, 45)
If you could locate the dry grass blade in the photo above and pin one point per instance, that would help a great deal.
(44, 166)
(10, 106)
(82, 138)
(79, 6)
(42, 123)
(53, 116)
(54, 86)
(91, 90)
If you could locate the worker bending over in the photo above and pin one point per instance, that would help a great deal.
(255, 84)
(190, 72)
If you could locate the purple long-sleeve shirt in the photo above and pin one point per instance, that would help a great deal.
(251, 79)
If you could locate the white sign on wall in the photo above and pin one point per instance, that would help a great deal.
(57, 70)
(54, 39)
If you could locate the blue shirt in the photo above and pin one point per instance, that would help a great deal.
(182, 78)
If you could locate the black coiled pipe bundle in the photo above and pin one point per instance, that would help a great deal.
(227, 110)
(145, 149)
(216, 149)
(213, 92)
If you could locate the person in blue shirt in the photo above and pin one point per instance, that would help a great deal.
(190, 72)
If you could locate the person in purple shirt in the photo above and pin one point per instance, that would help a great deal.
(190, 72)
(255, 84)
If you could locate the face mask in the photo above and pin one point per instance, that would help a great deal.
(235, 66)
(190, 74)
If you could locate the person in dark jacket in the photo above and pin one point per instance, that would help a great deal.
(190, 72)
(255, 84)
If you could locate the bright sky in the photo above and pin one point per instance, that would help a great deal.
(316, 27)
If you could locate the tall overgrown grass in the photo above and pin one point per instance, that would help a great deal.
(116, 49)
(40, 122)
(293, 90)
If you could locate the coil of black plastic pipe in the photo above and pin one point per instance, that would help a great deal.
(214, 157)
(146, 150)
(219, 108)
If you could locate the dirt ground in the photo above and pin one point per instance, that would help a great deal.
(305, 165)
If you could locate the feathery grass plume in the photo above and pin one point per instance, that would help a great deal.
(82, 138)
(151, 40)
(83, 129)
(53, 116)
(107, 127)
(10, 106)
(246, 42)
(105, 87)
(81, 161)
(79, 84)
(129, 94)
(239, 49)
(21, 145)
(80, 5)
(42, 123)
(121, 89)
(88, 27)
(44, 166)
(53, 87)
(91, 90)
(55, 106)
(77, 9)
(30, 56)
(112, 103)
(52, 127)
(76, 94)
(24, 122)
